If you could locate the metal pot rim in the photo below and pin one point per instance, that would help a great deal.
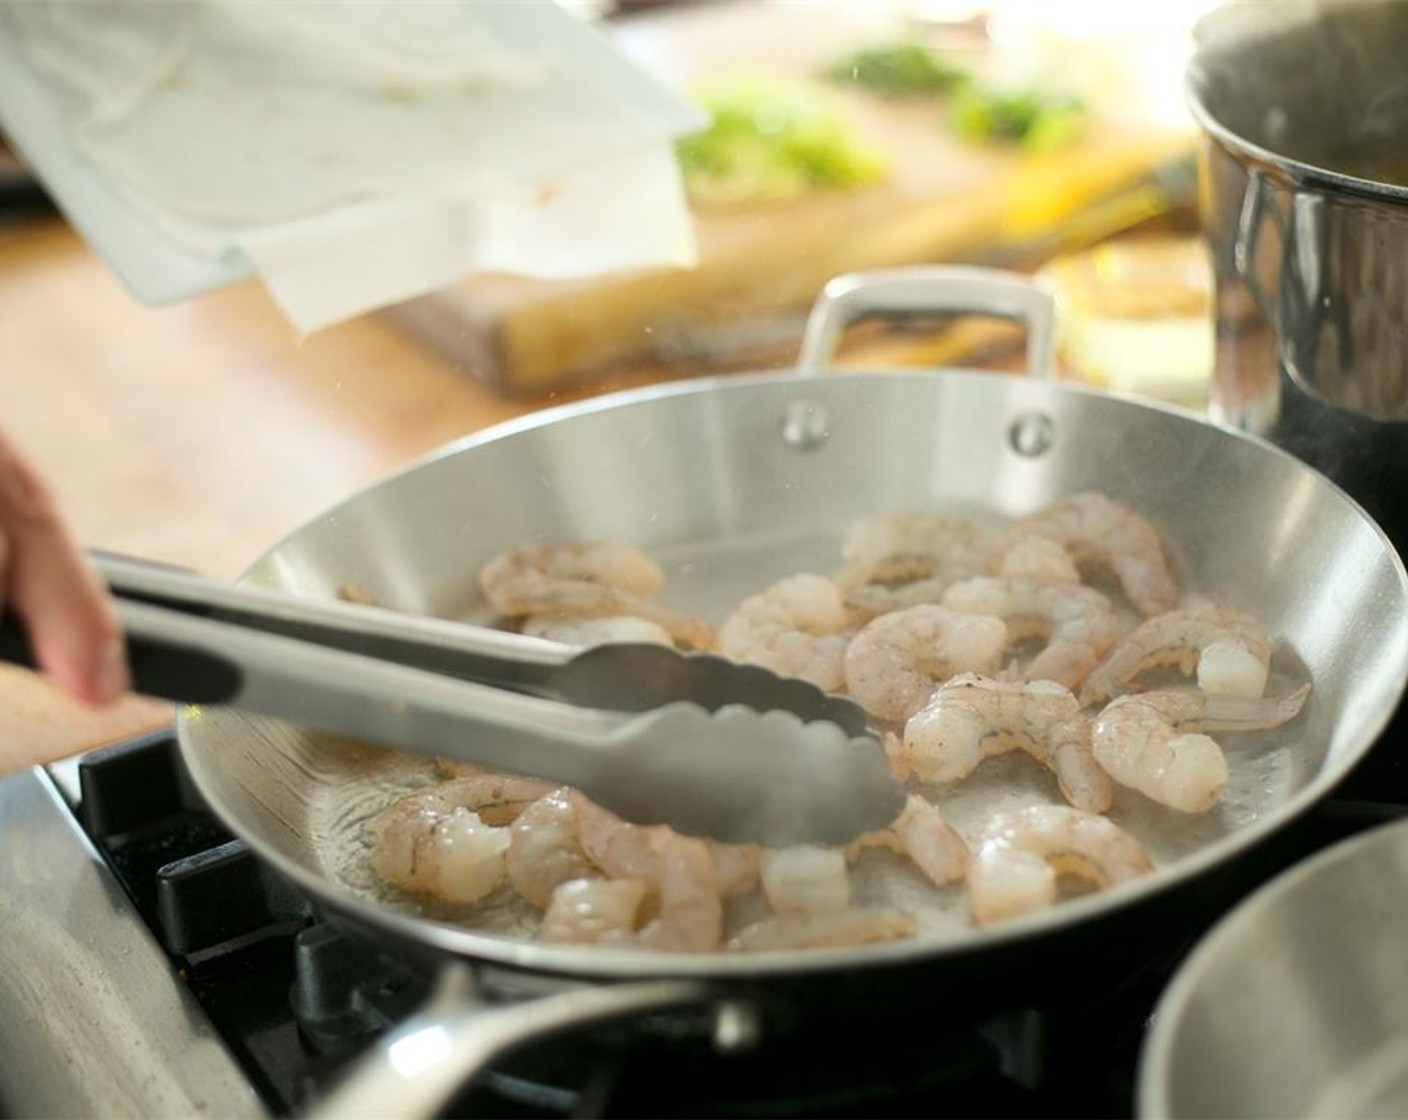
(1153, 1077)
(1296, 172)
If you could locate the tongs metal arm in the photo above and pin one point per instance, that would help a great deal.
(617, 678)
(202, 643)
(708, 747)
(457, 649)
(363, 697)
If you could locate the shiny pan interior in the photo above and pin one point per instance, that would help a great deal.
(733, 482)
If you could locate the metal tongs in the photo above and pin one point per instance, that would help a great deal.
(707, 746)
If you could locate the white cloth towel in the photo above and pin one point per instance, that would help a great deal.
(361, 154)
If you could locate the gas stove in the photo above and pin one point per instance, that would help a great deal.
(154, 966)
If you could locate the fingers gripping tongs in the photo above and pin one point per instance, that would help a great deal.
(704, 745)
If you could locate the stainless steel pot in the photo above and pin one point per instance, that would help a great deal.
(1297, 1003)
(1304, 113)
(732, 483)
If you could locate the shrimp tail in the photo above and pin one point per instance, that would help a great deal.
(1236, 713)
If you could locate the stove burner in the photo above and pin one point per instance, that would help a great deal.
(346, 994)
(197, 885)
(297, 1000)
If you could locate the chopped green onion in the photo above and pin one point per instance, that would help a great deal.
(901, 70)
(770, 141)
(1036, 119)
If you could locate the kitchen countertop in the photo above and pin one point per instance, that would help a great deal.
(198, 434)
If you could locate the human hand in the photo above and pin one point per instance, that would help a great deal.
(44, 578)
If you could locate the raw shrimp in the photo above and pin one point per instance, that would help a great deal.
(570, 578)
(1151, 742)
(735, 866)
(1078, 623)
(1036, 557)
(822, 929)
(679, 872)
(625, 850)
(544, 851)
(797, 627)
(972, 717)
(895, 561)
(590, 911)
(586, 630)
(897, 660)
(805, 877)
(1016, 865)
(622, 850)
(433, 841)
(921, 833)
(1094, 527)
(691, 916)
(585, 579)
(454, 768)
(497, 798)
(1228, 648)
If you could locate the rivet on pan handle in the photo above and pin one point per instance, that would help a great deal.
(937, 289)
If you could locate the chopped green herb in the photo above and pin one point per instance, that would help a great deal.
(1036, 119)
(901, 70)
(769, 141)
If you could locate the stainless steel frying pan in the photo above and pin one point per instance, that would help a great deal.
(1297, 1003)
(734, 482)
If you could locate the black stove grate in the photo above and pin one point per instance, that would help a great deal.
(297, 1000)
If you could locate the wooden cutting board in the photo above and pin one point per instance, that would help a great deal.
(943, 200)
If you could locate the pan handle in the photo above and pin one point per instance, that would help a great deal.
(930, 289)
(417, 1069)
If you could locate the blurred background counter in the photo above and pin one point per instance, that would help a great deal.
(201, 432)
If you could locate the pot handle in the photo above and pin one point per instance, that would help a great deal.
(1292, 309)
(418, 1067)
(1249, 222)
(893, 292)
